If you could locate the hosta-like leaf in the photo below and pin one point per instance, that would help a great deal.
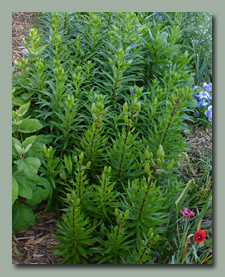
(43, 191)
(29, 165)
(29, 126)
(22, 217)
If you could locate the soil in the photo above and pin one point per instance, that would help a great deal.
(35, 245)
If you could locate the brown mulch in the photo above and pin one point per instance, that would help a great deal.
(35, 245)
(200, 143)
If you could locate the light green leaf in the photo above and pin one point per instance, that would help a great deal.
(29, 165)
(29, 126)
(23, 109)
(26, 96)
(28, 141)
(14, 190)
(18, 149)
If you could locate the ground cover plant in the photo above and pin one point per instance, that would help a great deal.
(108, 98)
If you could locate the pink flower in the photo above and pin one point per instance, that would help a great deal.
(186, 212)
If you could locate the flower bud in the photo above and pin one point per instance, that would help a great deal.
(77, 202)
(93, 108)
(110, 61)
(159, 162)
(138, 107)
(126, 215)
(142, 243)
(81, 156)
(44, 148)
(68, 197)
(155, 239)
(125, 108)
(73, 194)
(116, 212)
(75, 159)
(120, 217)
(109, 170)
(150, 233)
(160, 152)
(170, 164)
(126, 120)
(147, 154)
(88, 165)
(147, 168)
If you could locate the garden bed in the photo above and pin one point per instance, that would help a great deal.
(35, 244)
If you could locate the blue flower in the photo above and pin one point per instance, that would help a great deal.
(201, 95)
(208, 87)
(202, 104)
(197, 114)
(204, 95)
(210, 118)
(208, 113)
(195, 96)
(208, 96)
(158, 16)
(195, 87)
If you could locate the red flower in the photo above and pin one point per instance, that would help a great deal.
(186, 212)
(200, 236)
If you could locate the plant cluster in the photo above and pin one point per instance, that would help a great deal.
(110, 94)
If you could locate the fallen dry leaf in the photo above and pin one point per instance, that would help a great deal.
(36, 241)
